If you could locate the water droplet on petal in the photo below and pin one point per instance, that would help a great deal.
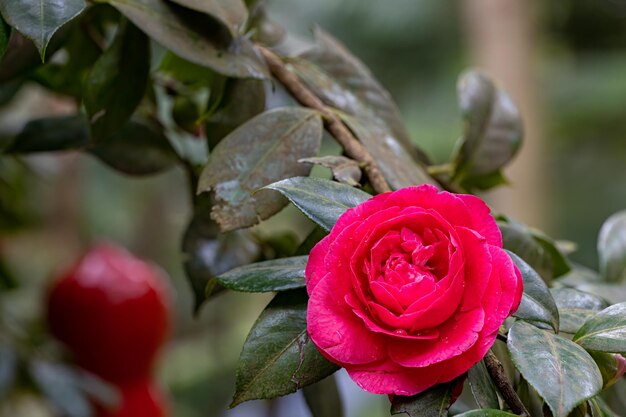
(400, 332)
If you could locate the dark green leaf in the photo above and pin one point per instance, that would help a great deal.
(52, 134)
(605, 331)
(20, 58)
(397, 166)
(194, 36)
(240, 101)
(486, 413)
(62, 388)
(210, 253)
(612, 248)
(232, 13)
(518, 238)
(493, 128)
(139, 148)
(600, 409)
(323, 398)
(434, 402)
(5, 34)
(263, 150)
(610, 366)
(323, 201)
(344, 82)
(7, 280)
(117, 82)
(537, 303)
(482, 387)
(38, 20)
(345, 170)
(275, 275)
(8, 369)
(278, 357)
(562, 372)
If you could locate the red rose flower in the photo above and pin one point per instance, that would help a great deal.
(410, 288)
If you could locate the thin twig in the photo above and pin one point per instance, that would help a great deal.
(353, 148)
(499, 378)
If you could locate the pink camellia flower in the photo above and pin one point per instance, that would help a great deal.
(410, 288)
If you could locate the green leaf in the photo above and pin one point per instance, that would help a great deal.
(38, 20)
(486, 413)
(399, 169)
(62, 388)
(193, 36)
(5, 34)
(232, 13)
(600, 409)
(537, 304)
(240, 101)
(610, 366)
(493, 128)
(482, 387)
(322, 201)
(139, 148)
(323, 398)
(58, 133)
(117, 82)
(575, 307)
(344, 82)
(7, 280)
(434, 402)
(345, 170)
(263, 150)
(561, 371)
(8, 369)
(275, 275)
(209, 253)
(535, 248)
(612, 248)
(278, 356)
(605, 331)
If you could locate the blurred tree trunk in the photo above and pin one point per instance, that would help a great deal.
(503, 37)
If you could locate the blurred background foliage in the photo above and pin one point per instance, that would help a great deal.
(416, 48)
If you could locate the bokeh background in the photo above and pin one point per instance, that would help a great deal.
(564, 62)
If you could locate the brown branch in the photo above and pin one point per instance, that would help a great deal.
(495, 369)
(353, 148)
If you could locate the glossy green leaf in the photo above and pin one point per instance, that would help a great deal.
(537, 304)
(38, 20)
(344, 82)
(483, 390)
(486, 413)
(5, 34)
(575, 307)
(117, 82)
(610, 366)
(209, 253)
(232, 13)
(8, 369)
(493, 128)
(612, 248)
(62, 388)
(57, 133)
(561, 371)
(139, 148)
(264, 150)
(322, 201)
(434, 402)
(535, 248)
(194, 36)
(323, 398)
(275, 275)
(345, 170)
(605, 331)
(278, 356)
(396, 164)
